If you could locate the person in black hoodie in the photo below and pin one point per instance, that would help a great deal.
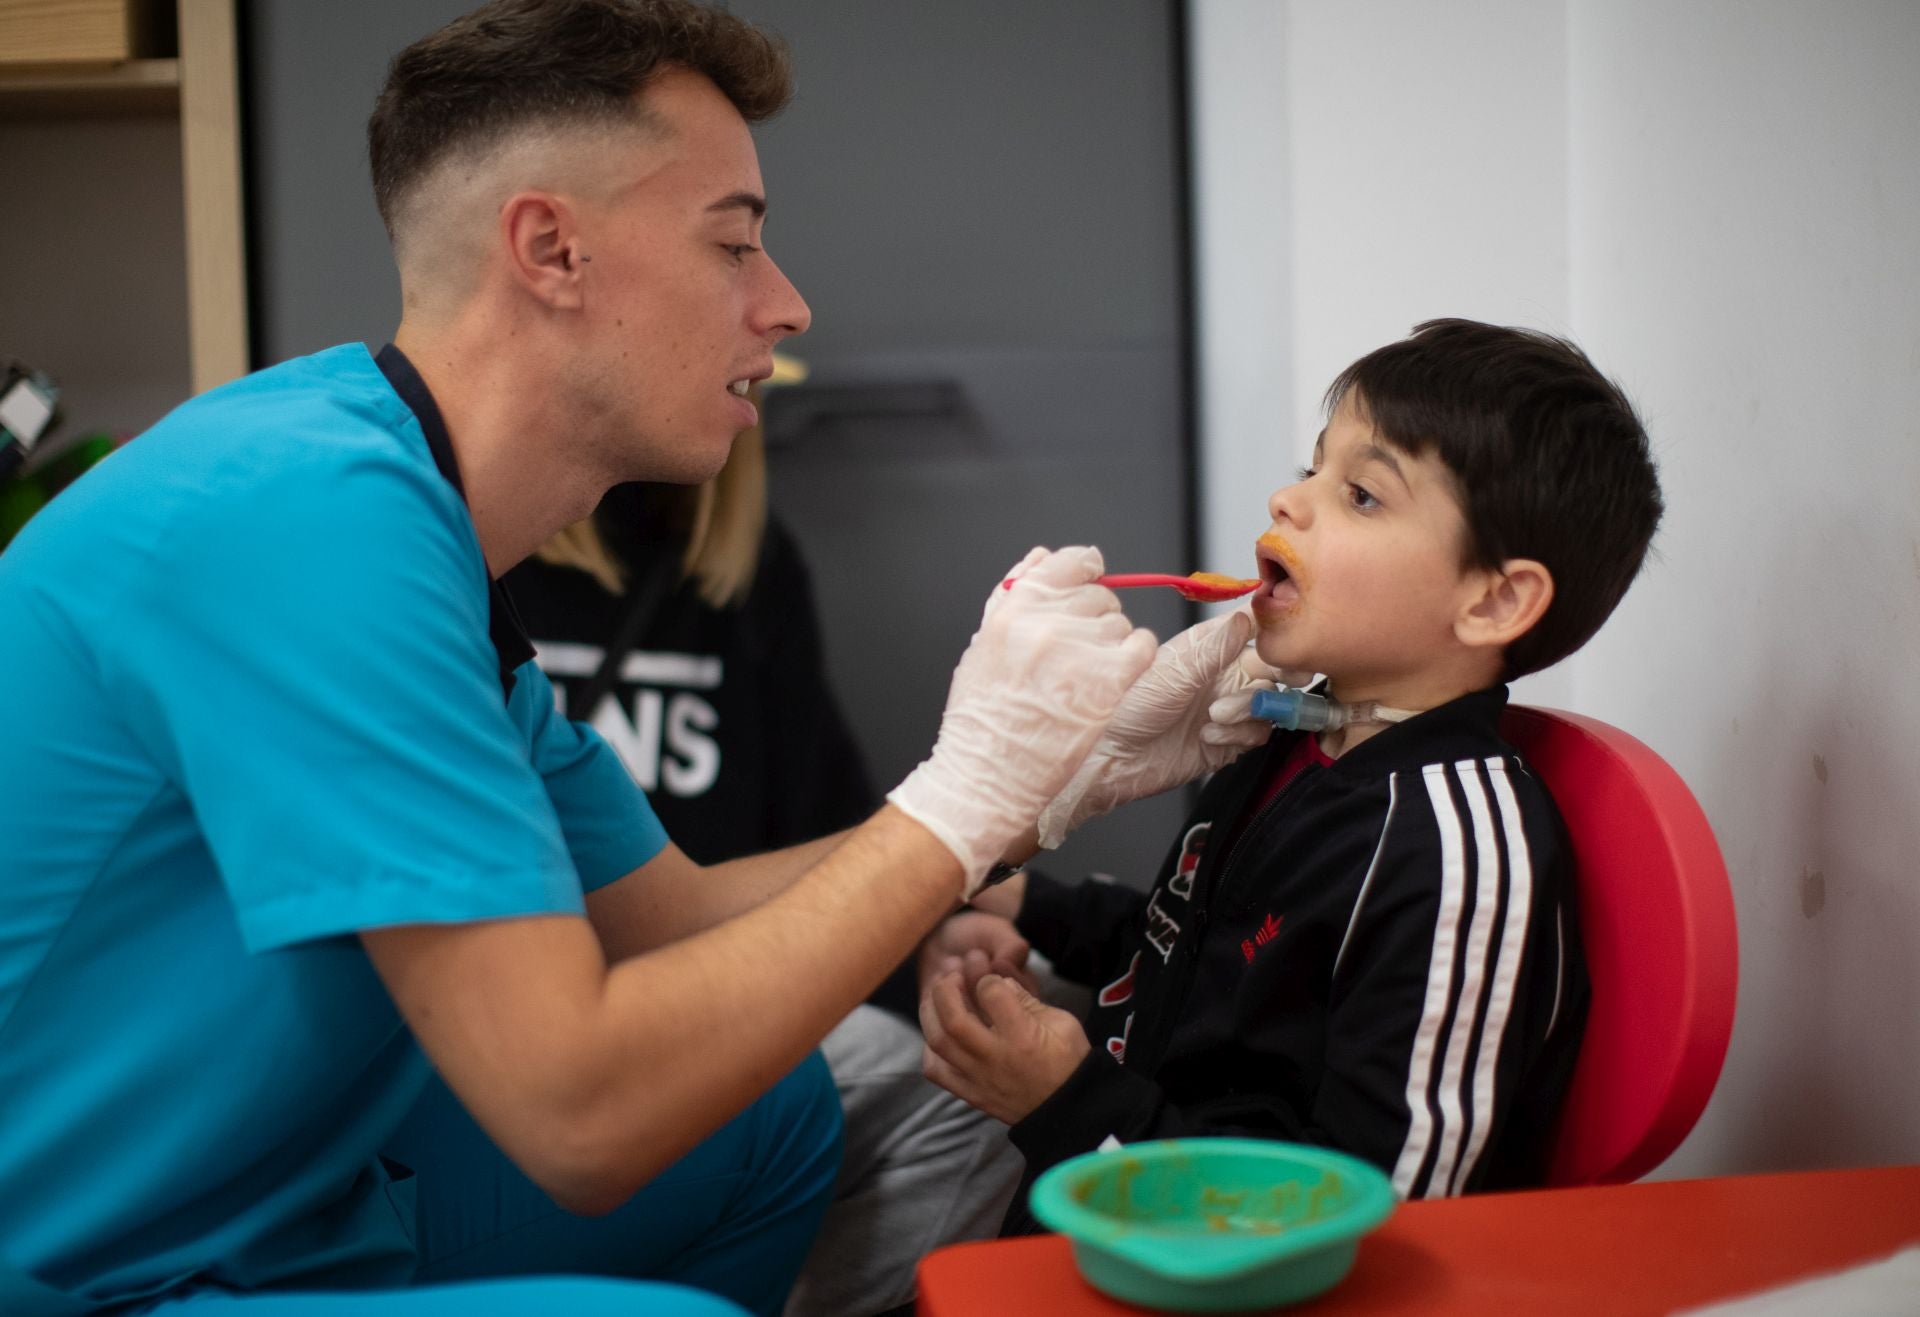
(1364, 937)
(678, 621)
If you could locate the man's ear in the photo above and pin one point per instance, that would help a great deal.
(1509, 600)
(541, 233)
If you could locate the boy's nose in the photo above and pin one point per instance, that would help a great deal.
(1286, 504)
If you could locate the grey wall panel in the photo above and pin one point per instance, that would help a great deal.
(978, 171)
(321, 270)
(986, 192)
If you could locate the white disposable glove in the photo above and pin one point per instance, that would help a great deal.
(1043, 674)
(1190, 714)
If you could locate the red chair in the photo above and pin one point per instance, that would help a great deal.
(1662, 950)
(1657, 926)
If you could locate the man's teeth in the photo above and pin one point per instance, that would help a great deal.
(738, 388)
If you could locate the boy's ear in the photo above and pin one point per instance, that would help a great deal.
(1506, 606)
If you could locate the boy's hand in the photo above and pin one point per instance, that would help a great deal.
(972, 938)
(1007, 1058)
(1162, 735)
(1004, 899)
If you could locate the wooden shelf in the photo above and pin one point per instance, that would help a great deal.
(200, 90)
(65, 91)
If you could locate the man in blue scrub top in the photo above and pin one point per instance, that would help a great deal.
(337, 972)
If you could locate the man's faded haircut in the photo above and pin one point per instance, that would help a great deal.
(518, 64)
(1549, 461)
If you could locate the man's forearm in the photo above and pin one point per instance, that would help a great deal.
(751, 996)
(593, 1077)
(736, 886)
(753, 879)
(663, 902)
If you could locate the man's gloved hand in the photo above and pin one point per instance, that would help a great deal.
(1036, 687)
(1190, 714)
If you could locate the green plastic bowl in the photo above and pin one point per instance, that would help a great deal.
(1213, 1225)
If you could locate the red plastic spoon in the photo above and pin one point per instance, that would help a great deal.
(1207, 587)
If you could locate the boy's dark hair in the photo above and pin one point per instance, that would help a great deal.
(518, 62)
(1550, 460)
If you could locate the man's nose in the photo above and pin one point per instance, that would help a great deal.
(783, 311)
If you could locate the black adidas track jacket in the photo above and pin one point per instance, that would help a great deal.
(1385, 962)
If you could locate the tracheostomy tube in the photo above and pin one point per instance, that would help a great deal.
(1302, 711)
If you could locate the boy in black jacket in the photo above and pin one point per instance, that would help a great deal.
(1362, 938)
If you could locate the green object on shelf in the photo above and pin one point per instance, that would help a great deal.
(83, 453)
(19, 500)
(1213, 1225)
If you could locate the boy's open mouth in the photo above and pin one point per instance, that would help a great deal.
(1280, 583)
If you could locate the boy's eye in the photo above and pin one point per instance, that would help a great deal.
(1304, 473)
(740, 250)
(1360, 498)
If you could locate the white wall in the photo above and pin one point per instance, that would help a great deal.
(1361, 167)
(1721, 201)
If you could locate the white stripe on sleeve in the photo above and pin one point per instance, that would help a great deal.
(1506, 974)
(1473, 976)
(1393, 799)
(1439, 980)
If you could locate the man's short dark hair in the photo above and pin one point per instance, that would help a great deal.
(1550, 461)
(515, 63)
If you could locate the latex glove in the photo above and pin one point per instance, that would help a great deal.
(1231, 713)
(1167, 731)
(1036, 687)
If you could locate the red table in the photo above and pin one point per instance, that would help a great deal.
(1611, 1252)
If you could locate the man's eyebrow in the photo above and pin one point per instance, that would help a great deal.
(751, 202)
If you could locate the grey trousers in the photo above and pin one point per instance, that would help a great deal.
(922, 1169)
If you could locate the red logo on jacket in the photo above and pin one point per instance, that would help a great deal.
(1192, 847)
(1269, 930)
(1121, 989)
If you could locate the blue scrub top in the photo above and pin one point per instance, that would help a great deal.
(248, 706)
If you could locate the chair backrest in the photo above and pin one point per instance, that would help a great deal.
(1662, 950)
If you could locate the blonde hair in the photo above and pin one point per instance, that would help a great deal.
(728, 522)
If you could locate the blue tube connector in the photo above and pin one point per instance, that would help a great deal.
(1295, 710)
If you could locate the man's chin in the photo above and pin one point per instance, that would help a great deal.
(689, 464)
